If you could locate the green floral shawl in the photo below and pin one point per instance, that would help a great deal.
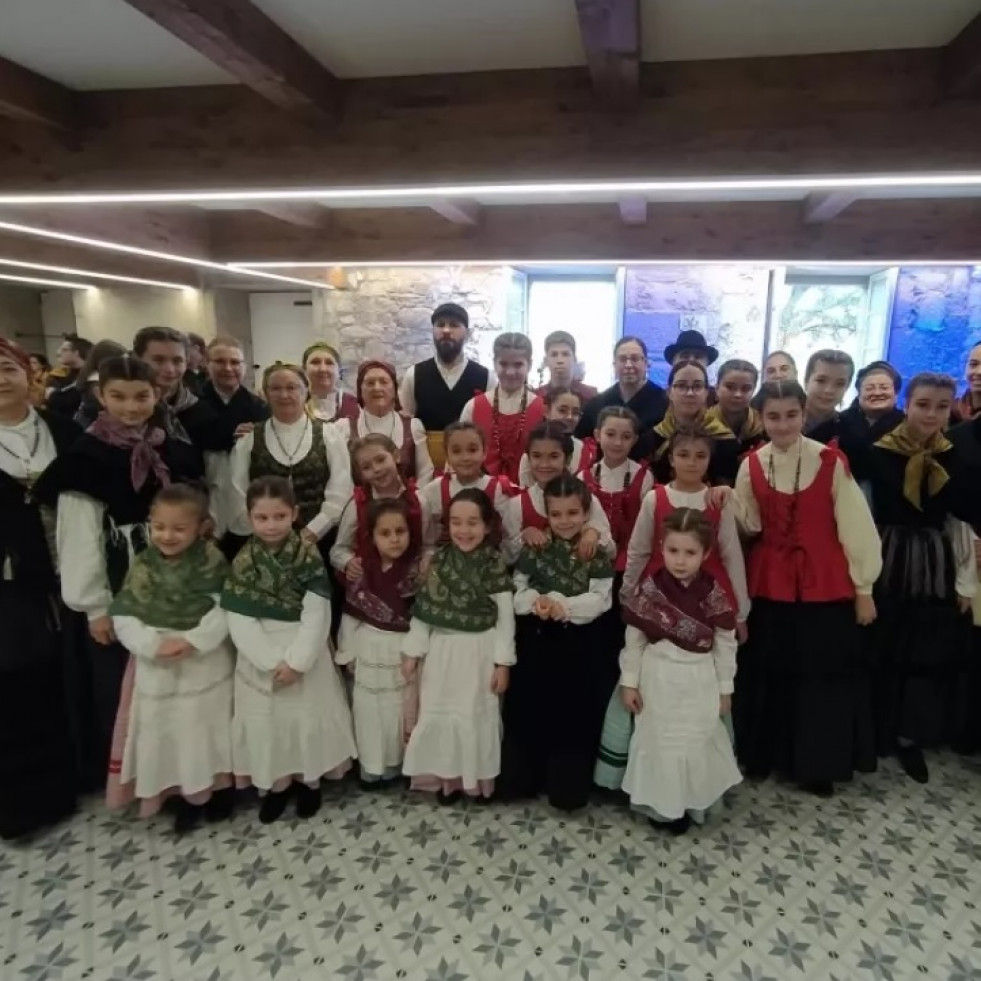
(557, 569)
(270, 585)
(172, 595)
(459, 590)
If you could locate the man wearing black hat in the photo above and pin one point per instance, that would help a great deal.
(435, 391)
(691, 346)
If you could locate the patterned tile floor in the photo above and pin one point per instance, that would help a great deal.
(882, 883)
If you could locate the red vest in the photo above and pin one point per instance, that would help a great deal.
(505, 437)
(622, 508)
(530, 518)
(347, 407)
(587, 456)
(798, 556)
(407, 451)
(362, 498)
(494, 485)
(713, 561)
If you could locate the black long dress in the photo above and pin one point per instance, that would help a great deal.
(94, 469)
(38, 765)
(919, 638)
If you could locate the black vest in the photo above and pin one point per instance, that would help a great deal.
(436, 404)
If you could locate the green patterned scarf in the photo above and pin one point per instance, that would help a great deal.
(172, 594)
(270, 585)
(557, 569)
(459, 590)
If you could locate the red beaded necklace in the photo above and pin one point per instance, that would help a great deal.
(497, 425)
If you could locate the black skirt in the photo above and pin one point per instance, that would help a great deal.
(553, 712)
(918, 641)
(38, 762)
(801, 706)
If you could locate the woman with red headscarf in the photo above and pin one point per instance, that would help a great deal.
(381, 413)
(38, 769)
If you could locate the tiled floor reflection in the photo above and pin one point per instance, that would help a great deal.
(882, 883)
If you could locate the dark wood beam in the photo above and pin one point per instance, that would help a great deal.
(458, 211)
(610, 32)
(961, 61)
(238, 37)
(765, 232)
(32, 98)
(304, 215)
(819, 208)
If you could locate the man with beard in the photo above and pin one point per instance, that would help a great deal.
(634, 390)
(435, 391)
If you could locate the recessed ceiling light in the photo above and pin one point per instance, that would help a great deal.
(98, 243)
(37, 281)
(857, 182)
(93, 275)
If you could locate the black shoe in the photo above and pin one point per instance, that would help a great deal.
(677, 827)
(446, 799)
(221, 806)
(912, 761)
(307, 800)
(187, 816)
(273, 805)
(819, 788)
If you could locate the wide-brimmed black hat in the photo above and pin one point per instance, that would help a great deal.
(690, 340)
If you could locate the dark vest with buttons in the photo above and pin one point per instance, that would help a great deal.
(438, 405)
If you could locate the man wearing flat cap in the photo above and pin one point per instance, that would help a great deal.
(435, 391)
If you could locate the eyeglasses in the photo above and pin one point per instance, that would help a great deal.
(693, 388)
(630, 359)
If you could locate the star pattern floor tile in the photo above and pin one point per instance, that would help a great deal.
(881, 883)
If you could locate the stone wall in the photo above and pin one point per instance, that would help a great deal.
(385, 312)
(936, 319)
(726, 303)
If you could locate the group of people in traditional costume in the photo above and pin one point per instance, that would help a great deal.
(493, 591)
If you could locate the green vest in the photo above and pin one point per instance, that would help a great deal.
(308, 476)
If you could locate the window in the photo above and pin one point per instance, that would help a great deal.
(587, 309)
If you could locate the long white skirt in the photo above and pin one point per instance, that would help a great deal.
(180, 725)
(680, 758)
(378, 697)
(302, 731)
(457, 739)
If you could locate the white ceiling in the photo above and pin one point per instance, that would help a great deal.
(91, 44)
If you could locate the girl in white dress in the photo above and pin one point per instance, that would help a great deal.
(677, 671)
(463, 633)
(292, 723)
(169, 617)
(377, 609)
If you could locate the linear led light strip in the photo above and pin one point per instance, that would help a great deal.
(856, 182)
(66, 270)
(98, 243)
(551, 263)
(37, 281)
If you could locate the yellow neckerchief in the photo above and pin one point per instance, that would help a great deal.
(750, 429)
(668, 426)
(920, 462)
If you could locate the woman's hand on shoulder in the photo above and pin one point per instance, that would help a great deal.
(588, 543)
(534, 538)
(719, 497)
(354, 570)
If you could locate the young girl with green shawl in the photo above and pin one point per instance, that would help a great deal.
(462, 634)
(292, 722)
(554, 707)
(167, 615)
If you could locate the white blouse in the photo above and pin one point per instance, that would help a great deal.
(723, 654)
(730, 548)
(325, 408)
(16, 443)
(579, 610)
(514, 525)
(856, 529)
(297, 438)
(392, 425)
(509, 405)
(265, 643)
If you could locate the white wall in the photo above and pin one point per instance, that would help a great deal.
(282, 326)
(20, 317)
(118, 313)
(58, 318)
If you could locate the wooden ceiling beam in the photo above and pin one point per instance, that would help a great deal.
(32, 98)
(304, 215)
(819, 208)
(245, 42)
(610, 32)
(961, 61)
